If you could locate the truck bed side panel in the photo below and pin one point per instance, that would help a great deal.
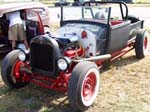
(118, 36)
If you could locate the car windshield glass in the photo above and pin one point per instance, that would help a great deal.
(118, 11)
(75, 13)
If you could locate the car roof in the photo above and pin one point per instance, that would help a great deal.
(9, 7)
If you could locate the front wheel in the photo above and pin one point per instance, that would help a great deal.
(83, 85)
(142, 43)
(10, 71)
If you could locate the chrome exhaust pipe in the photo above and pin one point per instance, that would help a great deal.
(95, 58)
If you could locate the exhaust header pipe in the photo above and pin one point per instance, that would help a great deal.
(95, 58)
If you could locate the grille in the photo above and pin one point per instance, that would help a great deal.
(42, 57)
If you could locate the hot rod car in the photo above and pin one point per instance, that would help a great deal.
(70, 61)
(35, 16)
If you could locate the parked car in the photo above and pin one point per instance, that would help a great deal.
(126, 1)
(80, 2)
(61, 3)
(70, 61)
(35, 16)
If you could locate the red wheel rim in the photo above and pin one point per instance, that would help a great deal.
(145, 43)
(89, 86)
(16, 71)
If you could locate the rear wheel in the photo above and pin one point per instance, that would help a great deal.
(142, 44)
(10, 71)
(83, 85)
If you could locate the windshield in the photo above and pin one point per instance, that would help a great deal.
(75, 13)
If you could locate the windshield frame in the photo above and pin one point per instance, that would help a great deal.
(82, 13)
(122, 5)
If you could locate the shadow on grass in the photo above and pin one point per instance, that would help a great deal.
(125, 61)
(33, 99)
(120, 62)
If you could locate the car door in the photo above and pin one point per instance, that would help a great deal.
(119, 35)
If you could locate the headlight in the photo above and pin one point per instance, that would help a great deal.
(63, 63)
(22, 56)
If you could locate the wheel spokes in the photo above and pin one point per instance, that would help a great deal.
(145, 43)
(89, 86)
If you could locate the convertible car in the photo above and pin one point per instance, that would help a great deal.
(70, 61)
(35, 16)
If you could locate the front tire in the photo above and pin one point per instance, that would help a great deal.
(10, 71)
(142, 44)
(83, 85)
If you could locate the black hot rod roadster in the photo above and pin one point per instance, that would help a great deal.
(70, 61)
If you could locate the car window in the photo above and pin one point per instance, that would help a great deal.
(88, 13)
(116, 12)
(74, 13)
(31, 15)
(41, 11)
(100, 12)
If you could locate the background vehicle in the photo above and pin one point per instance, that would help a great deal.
(61, 3)
(70, 61)
(36, 18)
(126, 1)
